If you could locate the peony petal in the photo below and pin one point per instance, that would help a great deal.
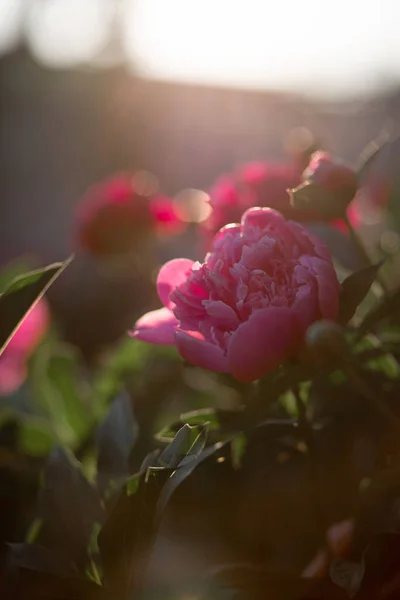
(201, 353)
(156, 327)
(263, 342)
(306, 304)
(232, 229)
(223, 315)
(261, 217)
(328, 299)
(172, 274)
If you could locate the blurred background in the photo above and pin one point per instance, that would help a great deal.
(181, 90)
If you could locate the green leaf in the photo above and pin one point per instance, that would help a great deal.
(35, 436)
(216, 419)
(68, 506)
(60, 394)
(115, 439)
(39, 558)
(21, 295)
(188, 441)
(184, 470)
(12, 270)
(354, 289)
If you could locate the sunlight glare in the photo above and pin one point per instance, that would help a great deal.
(63, 32)
(255, 43)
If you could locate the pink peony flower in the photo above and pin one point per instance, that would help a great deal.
(247, 307)
(22, 344)
(113, 216)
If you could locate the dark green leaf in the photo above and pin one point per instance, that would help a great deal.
(115, 440)
(354, 289)
(129, 533)
(183, 472)
(68, 505)
(186, 442)
(39, 558)
(21, 295)
(61, 396)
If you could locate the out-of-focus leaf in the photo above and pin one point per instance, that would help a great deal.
(389, 309)
(68, 505)
(115, 439)
(35, 436)
(21, 295)
(382, 361)
(129, 358)
(39, 558)
(354, 289)
(60, 393)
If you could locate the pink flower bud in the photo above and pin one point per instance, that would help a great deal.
(332, 176)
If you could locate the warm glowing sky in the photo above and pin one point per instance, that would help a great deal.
(339, 46)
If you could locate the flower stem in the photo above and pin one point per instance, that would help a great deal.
(364, 254)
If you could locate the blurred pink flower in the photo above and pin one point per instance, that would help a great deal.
(254, 184)
(247, 307)
(266, 184)
(113, 216)
(332, 176)
(22, 344)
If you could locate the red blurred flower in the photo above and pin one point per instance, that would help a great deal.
(254, 184)
(22, 344)
(113, 216)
